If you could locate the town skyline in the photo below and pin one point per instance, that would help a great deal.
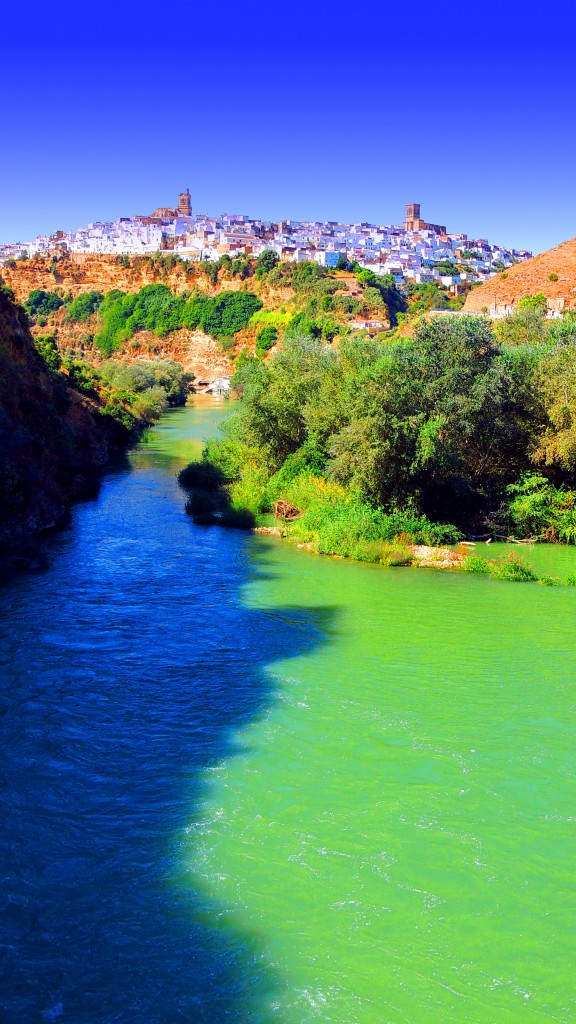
(412, 250)
(52, 225)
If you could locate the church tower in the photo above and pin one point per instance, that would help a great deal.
(412, 222)
(184, 204)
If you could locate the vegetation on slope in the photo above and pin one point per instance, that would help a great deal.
(376, 443)
(301, 298)
(60, 422)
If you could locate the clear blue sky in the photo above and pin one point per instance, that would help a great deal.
(292, 109)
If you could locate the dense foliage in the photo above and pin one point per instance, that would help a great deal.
(84, 306)
(40, 304)
(375, 440)
(155, 308)
(134, 393)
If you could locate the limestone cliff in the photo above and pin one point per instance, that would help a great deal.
(552, 272)
(52, 439)
(73, 274)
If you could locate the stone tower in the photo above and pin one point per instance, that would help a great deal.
(412, 222)
(184, 205)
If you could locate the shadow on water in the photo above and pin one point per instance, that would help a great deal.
(125, 668)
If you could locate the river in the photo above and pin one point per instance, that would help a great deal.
(243, 783)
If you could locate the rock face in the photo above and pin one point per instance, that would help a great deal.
(52, 439)
(552, 272)
(78, 272)
(196, 351)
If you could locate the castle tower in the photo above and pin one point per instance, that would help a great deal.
(184, 204)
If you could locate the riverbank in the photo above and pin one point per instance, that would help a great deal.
(61, 422)
(465, 557)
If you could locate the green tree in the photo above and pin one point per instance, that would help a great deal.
(46, 346)
(84, 306)
(40, 303)
(267, 261)
(266, 339)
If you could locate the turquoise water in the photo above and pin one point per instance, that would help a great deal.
(396, 829)
(244, 783)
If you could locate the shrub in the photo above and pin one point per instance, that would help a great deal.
(396, 555)
(45, 345)
(266, 339)
(40, 304)
(84, 306)
(538, 508)
(149, 405)
(266, 262)
(552, 277)
(475, 563)
(512, 568)
(202, 476)
(228, 313)
(251, 491)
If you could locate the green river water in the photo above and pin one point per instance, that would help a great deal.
(246, 784)
(393, 837)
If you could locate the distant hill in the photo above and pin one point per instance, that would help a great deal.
(552, 272)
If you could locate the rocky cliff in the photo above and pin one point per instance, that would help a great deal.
(552, 272)
(76, 273)
(73, 274)
(53, 440)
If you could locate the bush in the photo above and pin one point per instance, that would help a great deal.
(40, 304)
(45, 345)
(202, 476)
(149, 405)
(539, 509)
(228, 313)
(266, 262)
(396, 555)
(266, 339)
(511, 568)
(336, 520)
(84, 306)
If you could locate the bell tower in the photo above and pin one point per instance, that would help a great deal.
(412, 222)
(184, 204)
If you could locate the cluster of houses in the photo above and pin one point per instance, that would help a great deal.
(410, 251)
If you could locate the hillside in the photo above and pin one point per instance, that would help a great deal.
(286, 298)
(553, 273)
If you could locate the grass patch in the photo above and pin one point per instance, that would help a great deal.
(511, 568)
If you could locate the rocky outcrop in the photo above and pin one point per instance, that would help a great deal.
(77, 272)
(52, 439)
(552, 272)
(196, 351)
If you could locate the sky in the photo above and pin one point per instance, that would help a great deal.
(291, 109)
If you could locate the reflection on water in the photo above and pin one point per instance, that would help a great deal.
(124, 666)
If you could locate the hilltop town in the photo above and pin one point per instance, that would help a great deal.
(414, 251)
